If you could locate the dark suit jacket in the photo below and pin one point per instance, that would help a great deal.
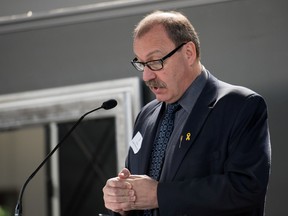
(223, 169)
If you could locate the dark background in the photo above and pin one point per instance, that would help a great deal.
(85, 165)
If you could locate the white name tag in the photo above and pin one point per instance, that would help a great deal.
(136, 142)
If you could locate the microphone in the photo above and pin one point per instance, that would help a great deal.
(109, 104)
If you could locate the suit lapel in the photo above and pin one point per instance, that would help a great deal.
(194, 123)
(143, 157)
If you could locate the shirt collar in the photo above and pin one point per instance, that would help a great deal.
(188, 100)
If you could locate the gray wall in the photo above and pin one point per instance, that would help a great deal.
(13, 7)
(243, 42)
(20, 153)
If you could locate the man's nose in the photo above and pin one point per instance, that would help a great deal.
(148, 74)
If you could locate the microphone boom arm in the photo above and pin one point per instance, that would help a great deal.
(106, 105)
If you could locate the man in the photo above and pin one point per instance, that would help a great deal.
(216, 160)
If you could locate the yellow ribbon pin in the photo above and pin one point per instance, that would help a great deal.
(188, 136)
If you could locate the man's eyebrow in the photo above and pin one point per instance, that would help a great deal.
(150, 54)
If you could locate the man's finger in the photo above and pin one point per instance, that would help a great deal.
(124, 174)
(116, 183)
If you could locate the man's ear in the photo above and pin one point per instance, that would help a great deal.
(191, 52)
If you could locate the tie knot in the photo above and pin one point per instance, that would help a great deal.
(172, 108)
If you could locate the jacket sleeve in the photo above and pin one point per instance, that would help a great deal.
(241, 187)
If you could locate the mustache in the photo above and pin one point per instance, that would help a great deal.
(155, 84)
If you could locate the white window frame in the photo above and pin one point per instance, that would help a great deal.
(52, 106)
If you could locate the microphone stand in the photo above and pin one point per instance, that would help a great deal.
(106, 105)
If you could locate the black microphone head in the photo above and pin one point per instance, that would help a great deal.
(109, 104)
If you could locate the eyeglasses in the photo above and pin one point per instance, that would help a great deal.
(154, 65)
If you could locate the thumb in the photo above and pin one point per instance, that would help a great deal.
(124, 174)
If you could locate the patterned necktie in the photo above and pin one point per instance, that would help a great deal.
(160, 144)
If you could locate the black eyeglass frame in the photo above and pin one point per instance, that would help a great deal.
(161, 61)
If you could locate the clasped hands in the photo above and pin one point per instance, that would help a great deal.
(130, 192)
